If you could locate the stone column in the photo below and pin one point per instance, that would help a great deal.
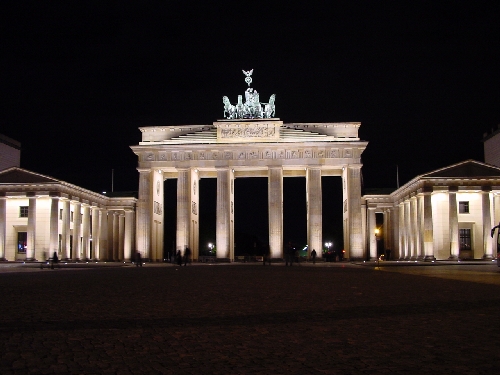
(3, 225)
(402, 231)
(387, 230)
(86, 233)
(453, 218)
(487, 243)
(129, 232)
(352, 198)
(95, 233)
(121, 236)
(65, 240)
(275, 203)
(420, 226)
(77, 207)
(395, 232)
(222, 236)
(183, 216)
(116, 236)
(143, 222)
(111, 242)
(103, 236)
(408, 233)
(314, 211)
(54, 224)
(428, 225)
(30, 243)
(194, 214)
(372, 238)
(414, 228)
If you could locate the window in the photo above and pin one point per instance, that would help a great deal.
(463, 207)
(23, 211)
(60, 214)
(22, 242)
(71, 216)
(465, 239)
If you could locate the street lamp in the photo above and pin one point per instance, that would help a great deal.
(328, 245)
(211, 247)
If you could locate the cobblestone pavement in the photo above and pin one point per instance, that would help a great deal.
(247, 319)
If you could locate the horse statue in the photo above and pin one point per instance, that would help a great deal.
(229, 109)
(270, 108)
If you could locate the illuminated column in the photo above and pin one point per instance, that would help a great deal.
(275, 202)
(222, 235)
(231, 215)
(194, 239)
(116, 236)
(414, 228)
(314, 211)
(408, 236)
(54, 224)
(352, 211)
(121, 237)
(103, 236)
(111, 227)
(402, 231)
(453, 218)
(129, 232)
(65, 240)
(420, 226)
(487, 243)
(395, 232)
(95, 232)
(183, 216)
(3, 225)
(30, 243)
(372, 238)
(143, 223)
(77, 206)
(86, 233)
(428, 225)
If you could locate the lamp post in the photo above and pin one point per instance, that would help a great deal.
(377, 239)
(211, 247)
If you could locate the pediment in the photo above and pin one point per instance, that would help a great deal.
(465, 169)
(16, 175)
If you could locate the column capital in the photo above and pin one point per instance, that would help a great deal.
(452, 189)
(485, 189)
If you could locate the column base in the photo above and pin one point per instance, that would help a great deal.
(488, 257)
(429, 258)
(420, 258)
(453, 257)
(31, 260)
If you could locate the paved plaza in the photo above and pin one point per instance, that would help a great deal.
(331, 318)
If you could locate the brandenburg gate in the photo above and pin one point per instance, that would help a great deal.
(248, 142)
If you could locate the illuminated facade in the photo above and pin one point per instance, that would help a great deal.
(441, 215)
(40, 215)
(235, 148)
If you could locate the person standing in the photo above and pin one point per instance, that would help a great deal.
(55, 260)
(138, 259)
(313, 256)
(187, 255)
(179, 258)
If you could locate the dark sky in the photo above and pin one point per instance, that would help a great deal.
(79, 77)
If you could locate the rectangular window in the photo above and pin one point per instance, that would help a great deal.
(465, 239)
(71, 216)
(22, 242)
(60, 214)
(463, 207)
(23, 211)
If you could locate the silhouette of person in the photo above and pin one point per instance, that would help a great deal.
(179, 258)
(187, 255)
(138, 259)
(313, 255)
(55, 260)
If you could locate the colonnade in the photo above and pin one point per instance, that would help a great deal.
(187, 221)
(423, 226)
(74, 228)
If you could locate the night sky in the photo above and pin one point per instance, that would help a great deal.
(79, 78)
